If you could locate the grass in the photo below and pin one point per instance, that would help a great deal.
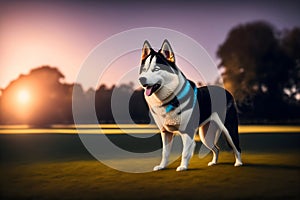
(264, 176)
(57, 166)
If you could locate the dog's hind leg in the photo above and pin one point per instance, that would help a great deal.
(231, 124)
(209, 134)
(215, 149)
(187, 152)
(167, 141)
(237, 153)
(236, 149)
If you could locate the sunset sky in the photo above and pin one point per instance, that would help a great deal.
(62, 33)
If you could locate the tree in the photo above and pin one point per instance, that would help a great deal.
(291, 45)
(37, 98)
(257, 66)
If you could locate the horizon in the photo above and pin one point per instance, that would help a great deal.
(62, 33)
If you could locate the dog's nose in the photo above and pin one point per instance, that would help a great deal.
(143, 81)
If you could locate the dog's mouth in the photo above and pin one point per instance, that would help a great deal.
(149, 90)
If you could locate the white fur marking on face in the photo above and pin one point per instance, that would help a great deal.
(153, 63)
(147, 63)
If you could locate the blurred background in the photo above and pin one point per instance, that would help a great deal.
(255, 45)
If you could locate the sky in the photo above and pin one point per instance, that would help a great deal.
(63, 33)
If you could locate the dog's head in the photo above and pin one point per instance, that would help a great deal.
(158, 73)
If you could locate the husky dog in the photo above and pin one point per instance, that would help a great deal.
(179, 107)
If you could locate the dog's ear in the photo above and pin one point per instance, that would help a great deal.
(167, 51)
(146, 50)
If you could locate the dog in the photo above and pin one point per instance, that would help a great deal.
(179, 107)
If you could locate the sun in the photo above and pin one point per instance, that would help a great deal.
(23, 96)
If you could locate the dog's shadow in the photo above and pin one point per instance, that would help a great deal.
(272, 166)
(245, 165)
(261, 166)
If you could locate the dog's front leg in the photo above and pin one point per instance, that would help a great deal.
(167, 141)
(187, 152)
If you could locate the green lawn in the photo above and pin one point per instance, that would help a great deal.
(264, 176)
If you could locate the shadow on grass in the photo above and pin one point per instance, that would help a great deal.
(189, 169)
(272, 166)
(260, 165)
(247, 165)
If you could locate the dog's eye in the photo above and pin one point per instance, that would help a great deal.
(156, 68)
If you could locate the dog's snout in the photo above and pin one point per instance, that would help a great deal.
(143, 81)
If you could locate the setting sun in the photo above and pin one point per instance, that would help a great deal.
(23, 96)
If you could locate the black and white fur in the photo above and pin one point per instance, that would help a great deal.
(179, 107)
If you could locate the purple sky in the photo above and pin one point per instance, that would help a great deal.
(62, 33)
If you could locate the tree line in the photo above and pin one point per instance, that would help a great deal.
(51, 100)
(260, 66)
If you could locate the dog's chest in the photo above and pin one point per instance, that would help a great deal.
(171, 120)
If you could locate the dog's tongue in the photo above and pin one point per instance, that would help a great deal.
(148, 90)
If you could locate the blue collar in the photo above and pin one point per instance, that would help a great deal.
(175, 102)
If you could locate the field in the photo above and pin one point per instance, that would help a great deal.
(48, 166)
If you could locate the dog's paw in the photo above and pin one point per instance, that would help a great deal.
(158, 167)
(181, 168)
(238, 164)
(211, 163)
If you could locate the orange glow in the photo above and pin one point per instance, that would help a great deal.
(19, 100)
(23, 97)
(22, 105)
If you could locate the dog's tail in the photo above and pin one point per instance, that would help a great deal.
(231, 121)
